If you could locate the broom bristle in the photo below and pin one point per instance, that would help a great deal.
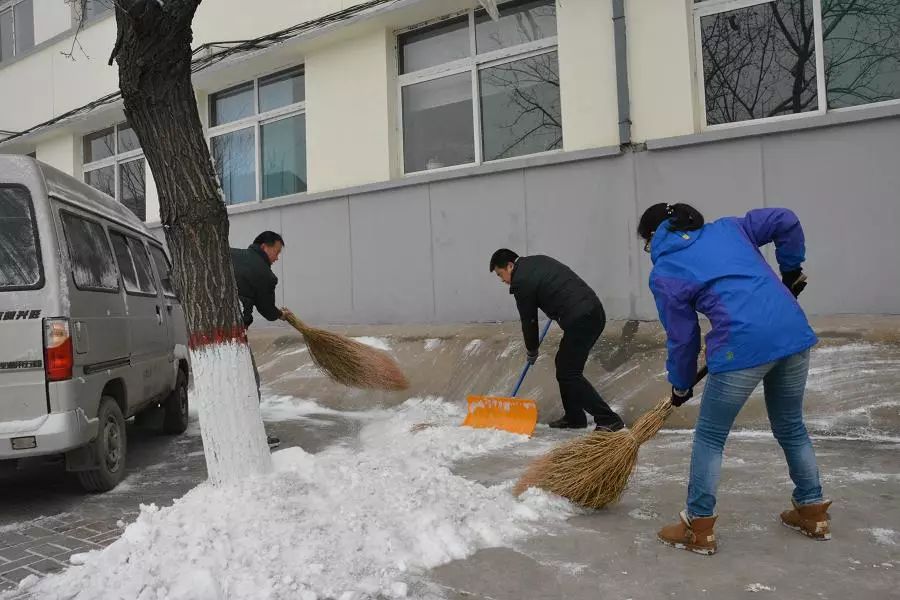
(593, 470)
(349, 362)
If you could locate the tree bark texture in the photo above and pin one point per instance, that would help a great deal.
(153, 52)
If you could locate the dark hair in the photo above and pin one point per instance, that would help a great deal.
(503, 257)
(681, 217)
(268, 238)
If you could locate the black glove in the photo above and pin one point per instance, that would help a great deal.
(678, 399)
(532, 356)
(794, 280)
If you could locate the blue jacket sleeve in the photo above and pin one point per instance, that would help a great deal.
(779, 225)
(675, 303)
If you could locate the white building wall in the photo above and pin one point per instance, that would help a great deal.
(587, 74)
(61, 152)
(27, 92)
(660, 68)
(50, 19)
(352, 107)
(349, 88)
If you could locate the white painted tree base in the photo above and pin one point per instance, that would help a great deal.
(234, 439)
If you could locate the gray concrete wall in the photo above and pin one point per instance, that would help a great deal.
(418, 250)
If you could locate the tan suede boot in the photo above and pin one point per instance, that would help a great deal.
(695, 535)
(811, 520)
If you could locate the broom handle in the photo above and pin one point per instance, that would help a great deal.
(702, 373)
(528, 364)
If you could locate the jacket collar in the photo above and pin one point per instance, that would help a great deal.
(665, 241)
(258, 249)
(512, 275)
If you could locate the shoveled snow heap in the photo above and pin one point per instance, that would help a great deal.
(355, 521)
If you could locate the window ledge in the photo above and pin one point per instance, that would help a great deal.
(510, 164)
(829, 119)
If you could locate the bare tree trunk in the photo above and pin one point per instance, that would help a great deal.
(153, 52)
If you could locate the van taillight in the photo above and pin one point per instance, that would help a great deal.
(58, 356)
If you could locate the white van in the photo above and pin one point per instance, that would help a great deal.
(91, 329)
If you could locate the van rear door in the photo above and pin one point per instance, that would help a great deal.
(23, 388)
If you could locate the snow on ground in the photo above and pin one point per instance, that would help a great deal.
(885, 537)
(758, 587)
(472, 348)
(432, 344)
(374, 342)
(291, 408)
(355, 521)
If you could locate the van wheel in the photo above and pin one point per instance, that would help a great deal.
(110, 449)
(176, 407)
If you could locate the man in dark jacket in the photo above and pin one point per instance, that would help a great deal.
(256, 286)
(541, 282)
(255, 280)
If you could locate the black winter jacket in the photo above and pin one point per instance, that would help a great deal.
(255, 282)
(541, 282)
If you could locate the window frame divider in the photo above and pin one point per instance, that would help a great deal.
(476, 92)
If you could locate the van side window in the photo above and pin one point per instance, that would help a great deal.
(123, 258)
(164, 268)
(93, 267)
(142, 266)
(20, 259)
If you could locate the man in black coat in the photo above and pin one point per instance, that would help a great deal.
(256, 286)
(541, 282)
(254, 277)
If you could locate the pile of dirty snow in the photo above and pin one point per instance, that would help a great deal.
(356, 521)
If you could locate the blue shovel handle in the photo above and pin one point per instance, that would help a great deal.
(528, 364)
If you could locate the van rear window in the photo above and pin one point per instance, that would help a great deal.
(20, 259)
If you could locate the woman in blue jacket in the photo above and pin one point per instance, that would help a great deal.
(759, 334)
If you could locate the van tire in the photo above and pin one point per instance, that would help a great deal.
(176, 407)
(110, 449)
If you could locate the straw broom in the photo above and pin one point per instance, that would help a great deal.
(594, 470)
(349, 362)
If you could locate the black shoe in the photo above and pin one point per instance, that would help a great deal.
(610, 428)
(564, 423)
(273, 441)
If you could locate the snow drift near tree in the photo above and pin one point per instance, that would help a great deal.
(351, 522)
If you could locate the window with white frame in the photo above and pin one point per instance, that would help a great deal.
(776, 59)
(509, 67)
(114, 164)
(16, 27)
(257, 137)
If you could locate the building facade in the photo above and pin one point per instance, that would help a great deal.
(397, 143)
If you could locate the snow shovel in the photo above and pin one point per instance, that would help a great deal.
(517, 415)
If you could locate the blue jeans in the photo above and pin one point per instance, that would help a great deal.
(784, 382)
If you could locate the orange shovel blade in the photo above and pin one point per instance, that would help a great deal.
(516, 415)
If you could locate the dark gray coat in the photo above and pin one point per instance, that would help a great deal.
(541, 282)
(255, 282)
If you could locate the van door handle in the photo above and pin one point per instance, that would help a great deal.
(159, 319)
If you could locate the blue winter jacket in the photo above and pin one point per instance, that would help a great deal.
(719, 271)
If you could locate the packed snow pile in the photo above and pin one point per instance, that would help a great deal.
(359, 520)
